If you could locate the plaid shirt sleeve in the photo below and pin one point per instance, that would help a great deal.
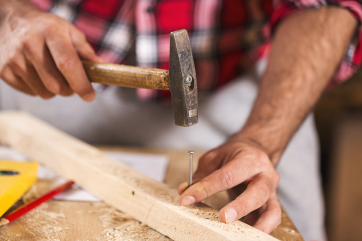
(353, 55)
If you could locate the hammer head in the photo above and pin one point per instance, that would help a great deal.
(183, 83)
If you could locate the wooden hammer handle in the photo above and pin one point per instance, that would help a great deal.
(127, 76)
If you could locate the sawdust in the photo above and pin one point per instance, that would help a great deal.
(120, 226)
(131, 230)
(111, 219)
(41, 187)
(290, 231)
(38, 221)
(109, 216)
(211, 216)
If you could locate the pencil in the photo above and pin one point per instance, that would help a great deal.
(26, 208)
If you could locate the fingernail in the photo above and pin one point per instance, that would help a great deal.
(89, 97)
(188, 200)
(230, 215)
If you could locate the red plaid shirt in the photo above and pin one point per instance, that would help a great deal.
(227, 36)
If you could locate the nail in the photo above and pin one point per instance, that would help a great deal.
(190, 168)
(230, 215)
(89, 96)
(188, 200)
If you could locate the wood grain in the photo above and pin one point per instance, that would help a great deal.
(153, 203)
(127, 76)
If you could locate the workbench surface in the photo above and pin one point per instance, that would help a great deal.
(81, 221)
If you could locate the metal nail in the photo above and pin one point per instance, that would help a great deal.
(190, 167)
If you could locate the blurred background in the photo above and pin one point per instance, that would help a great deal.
(338, 117)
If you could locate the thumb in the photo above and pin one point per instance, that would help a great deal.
(84, 49)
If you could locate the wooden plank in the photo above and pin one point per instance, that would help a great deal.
(98, 221)
(151, 202)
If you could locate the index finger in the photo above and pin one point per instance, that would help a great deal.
(228, 176)
(69, 64)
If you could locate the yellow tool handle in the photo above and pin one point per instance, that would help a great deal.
(127, 76)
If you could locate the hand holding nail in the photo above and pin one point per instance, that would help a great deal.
(229, 165)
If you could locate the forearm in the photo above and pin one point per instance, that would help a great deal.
(307, 48)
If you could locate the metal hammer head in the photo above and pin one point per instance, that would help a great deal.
(183, 83)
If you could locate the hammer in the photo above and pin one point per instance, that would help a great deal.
(180, 79)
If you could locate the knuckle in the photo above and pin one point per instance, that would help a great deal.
(262, 157)
(30, 46)
(54, 26)
(208, 156)
(261, 161)
(244, 208)
(65, 63)
(51, 28)
(263, 192)
(227, 179)
(203, 188)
